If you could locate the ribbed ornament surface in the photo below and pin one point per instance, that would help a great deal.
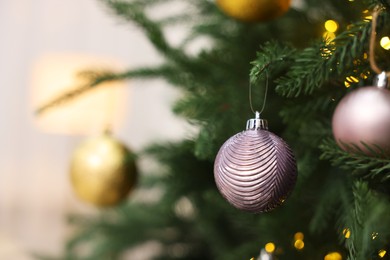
(255, 170)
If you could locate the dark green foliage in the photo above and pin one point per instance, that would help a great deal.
(365, 220)
(360, 164)
(335, 190)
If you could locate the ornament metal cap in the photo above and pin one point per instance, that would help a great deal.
(381, 80)
(257, 123)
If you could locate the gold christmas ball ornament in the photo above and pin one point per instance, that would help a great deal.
(254, 10)
(103, 171)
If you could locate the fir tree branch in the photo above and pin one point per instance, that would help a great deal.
(309, 109)
(94, 80)
(357, 163)
(133, 12)
(329, 204)
(324, 61)
(363, 217)
(270, 54)
(305, 74)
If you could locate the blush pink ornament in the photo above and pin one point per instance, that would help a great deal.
(255, 170)
(363, 118)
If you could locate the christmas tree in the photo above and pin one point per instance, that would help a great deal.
(299, 66)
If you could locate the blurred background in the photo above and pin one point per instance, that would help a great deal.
(35, 194)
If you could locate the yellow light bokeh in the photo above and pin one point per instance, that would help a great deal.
(333, 256)
(382, 253)
(363, 76)
(353, 79)
(348, 82)
(270, 247)
(299, 236)
(329, 36)
(327, 52)
(347, 233)
(331, 26)
(56, 74)
(299, 244)
(385, 43)
(368, 18)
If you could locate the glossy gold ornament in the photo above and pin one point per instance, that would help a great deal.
(103, 171)
(254, 10)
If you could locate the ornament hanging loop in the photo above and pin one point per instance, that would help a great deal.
(381, 80)
(257, 123)
(265, 92)
(373, 64)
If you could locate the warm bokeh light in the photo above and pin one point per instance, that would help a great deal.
(350, 80)
(326, 52)
(385, 43)
(299, 236)
(364, 75)
(329, 36)
(374, 235)
(184, 208)
(347, 233)
(89, 113)
(270, 247)
(382, 253)
(367, 16)
(331, 26)
(299, 244)
(333, 256)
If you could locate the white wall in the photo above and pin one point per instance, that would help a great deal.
(34, 190)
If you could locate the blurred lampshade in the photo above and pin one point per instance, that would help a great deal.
(88, 113)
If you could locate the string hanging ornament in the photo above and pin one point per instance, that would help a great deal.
(361, 121)
(102, 169)
(255, 170)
